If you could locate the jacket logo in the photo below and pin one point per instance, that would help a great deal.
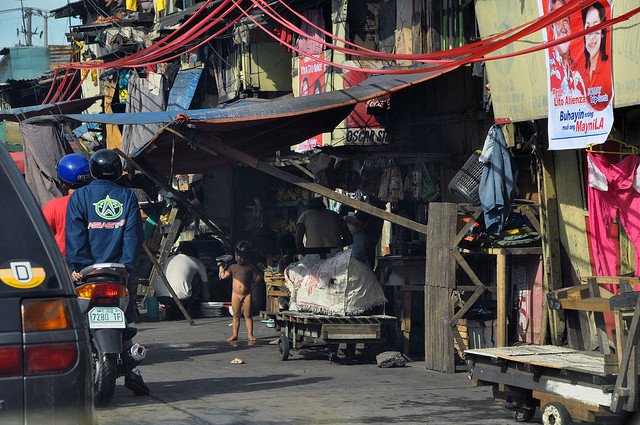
(108, 208)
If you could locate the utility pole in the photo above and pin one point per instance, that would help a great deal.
(23, 22)
(27, 15)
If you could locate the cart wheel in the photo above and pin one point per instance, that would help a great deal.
(524, 414)
(284, 344)
(555, 414)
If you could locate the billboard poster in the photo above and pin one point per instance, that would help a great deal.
(580, 87)
(311, 80)
(362, 127)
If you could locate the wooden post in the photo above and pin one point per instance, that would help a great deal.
(440, 280)
(552, 276)
(166, 283)
(501, 297)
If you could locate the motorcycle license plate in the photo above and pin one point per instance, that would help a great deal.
(106, 317)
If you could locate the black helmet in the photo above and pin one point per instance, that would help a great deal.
(105, 165)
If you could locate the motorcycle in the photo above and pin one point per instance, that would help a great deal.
(103, 296)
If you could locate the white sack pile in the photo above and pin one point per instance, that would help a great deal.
(340, 285)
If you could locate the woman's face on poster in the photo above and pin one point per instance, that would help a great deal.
(593, 39)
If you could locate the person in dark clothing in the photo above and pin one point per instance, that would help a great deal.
(104, 225)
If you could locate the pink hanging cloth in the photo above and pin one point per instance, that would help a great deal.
(614, 190)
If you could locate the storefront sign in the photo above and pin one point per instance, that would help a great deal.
(311, 80)
(362, 127)
(580, 86)
(518, 85)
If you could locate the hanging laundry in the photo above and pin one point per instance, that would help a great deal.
(132, 5)
(498, 180)
(161, 5)
(614, 190)
(312, 45)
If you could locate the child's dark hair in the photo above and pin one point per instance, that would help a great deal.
(243, 248)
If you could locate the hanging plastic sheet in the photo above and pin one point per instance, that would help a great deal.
(42, 150)
(183, 90)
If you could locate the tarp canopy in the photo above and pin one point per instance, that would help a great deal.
(255, 128)
(60, 108)
(184, 88)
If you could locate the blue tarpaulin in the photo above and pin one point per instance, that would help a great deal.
(184, 87)
(257, 128)
(60, 108)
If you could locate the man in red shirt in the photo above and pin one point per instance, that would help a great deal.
(73, 171)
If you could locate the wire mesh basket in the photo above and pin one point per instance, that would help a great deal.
(465, 185)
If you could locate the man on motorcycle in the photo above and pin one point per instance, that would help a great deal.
(104, 225)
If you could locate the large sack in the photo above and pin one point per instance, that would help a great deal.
(340, 285)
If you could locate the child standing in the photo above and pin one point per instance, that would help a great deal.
(243, 274)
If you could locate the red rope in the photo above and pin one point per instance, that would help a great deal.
(75, 91)
(422, 58)
(536, 25)
(66, 90)
(549, 44)
(164, 46)
(55, 96)
(53, 83)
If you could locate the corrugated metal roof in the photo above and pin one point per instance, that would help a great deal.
(59, 54)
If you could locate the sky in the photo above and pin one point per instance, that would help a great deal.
(11, 21)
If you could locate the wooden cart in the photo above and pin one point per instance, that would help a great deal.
(307, 330)
(571, 384)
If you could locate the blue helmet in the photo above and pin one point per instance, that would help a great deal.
(73, 169)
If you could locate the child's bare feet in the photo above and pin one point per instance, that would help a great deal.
(232, 338)
(251, 338)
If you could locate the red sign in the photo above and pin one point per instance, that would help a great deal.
(311, 81)
(580, 78)
(362, 127)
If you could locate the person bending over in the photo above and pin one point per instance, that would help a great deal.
(243, 274)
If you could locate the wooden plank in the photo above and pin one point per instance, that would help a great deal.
(334, 331)
(466, 267)
(528, 211)
(632, 341)
(620, 333)
(501, 299)
(405, 325)
(613, 280)
(549, 356)
(465, 229)
(229, 152)
(167, 242)
(166, 283)
(590, 304)
(467, 305)
(549, 232)
(457, 336)
(440, 279)
(632, 381)
(601, 329)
